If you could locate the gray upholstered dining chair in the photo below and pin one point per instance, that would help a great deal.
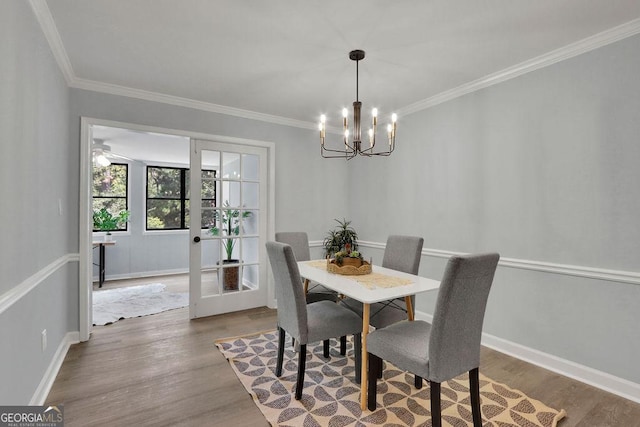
(299, 242)
(307, 323)
(401, 253)
(447, 347)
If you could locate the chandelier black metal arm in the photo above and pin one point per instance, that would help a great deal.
(354, 147)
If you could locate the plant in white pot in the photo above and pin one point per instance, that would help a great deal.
(104, 220)
(230, 222)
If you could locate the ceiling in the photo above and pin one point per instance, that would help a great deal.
(287, 61)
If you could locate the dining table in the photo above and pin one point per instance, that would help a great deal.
(382, 284)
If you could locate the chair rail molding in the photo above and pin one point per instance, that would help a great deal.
(17, 292)
(630, 277)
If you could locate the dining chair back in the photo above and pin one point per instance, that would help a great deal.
(401, 253)
(307, 323)
(299, 242)
(450, 345)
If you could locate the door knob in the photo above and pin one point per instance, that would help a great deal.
(196, 239)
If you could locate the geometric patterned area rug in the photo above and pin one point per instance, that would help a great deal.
(331, 397)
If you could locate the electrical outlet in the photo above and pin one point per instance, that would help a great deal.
(44, 339)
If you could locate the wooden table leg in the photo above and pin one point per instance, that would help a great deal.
(365, 364)
(306, 286)
(407, 300)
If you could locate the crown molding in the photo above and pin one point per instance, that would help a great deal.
(113, 89)
(44, 18)
(596, 41)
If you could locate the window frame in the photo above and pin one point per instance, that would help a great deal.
(183, 199)
(125, 197)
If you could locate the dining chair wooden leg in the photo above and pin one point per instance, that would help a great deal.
(280, 351)
(343, 345)
(380, 370)
(357, 355)
(474, 388)
(417, 380)
(375, 365)
(325, 349)
(436, 416)
(302, 361)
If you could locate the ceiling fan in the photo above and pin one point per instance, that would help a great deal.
(102, 154)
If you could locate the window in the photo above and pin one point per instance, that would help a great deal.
(168, 197)
(110, 189)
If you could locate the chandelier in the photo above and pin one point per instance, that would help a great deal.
(354, 147)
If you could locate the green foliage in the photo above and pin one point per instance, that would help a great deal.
(154, 223)
(105, 221)
(109, 192)
(342, 240)
(165, 186)
(231, 222)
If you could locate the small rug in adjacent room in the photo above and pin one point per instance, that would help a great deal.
(111, 305)
(332, 398)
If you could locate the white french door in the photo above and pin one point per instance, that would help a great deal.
(228, 227)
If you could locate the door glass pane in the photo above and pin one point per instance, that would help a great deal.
(251, 221)
(249, 277)
(250, 195)
(210, 256)
(230, 165)
(250, 249)
(230, 194)
(230, 249)
(250, 167)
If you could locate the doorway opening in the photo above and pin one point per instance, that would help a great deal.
(144, 249)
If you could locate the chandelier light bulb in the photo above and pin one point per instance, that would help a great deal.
(394, 117)
(345, 113)
(323, 119)
(374, 112)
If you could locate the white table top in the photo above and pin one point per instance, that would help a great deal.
(347, 285)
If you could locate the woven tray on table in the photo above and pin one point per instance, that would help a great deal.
(349, 270)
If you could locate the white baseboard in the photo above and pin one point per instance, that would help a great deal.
(40, 396)
(602, 380)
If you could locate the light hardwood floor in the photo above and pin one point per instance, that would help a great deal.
(164, 370)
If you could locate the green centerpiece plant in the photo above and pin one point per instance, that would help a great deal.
(341, 243)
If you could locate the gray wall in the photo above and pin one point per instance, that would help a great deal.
(37, 169)
(543, 167)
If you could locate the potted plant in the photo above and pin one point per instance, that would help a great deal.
(104, 220)
(341, 243)
(230, 224)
